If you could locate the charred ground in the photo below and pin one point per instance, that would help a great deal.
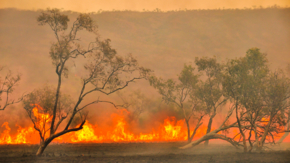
(141, 152)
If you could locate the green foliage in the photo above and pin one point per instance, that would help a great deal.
(176, 92)
(209, 90)
(245, 77)
(187, 77)
(53, 17)
(276, 98)
(43, 98)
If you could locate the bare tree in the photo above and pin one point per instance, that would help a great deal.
(106, 72)
(7, 86)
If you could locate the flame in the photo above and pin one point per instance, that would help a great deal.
(119, 131)
(42, 118)
(170, 131)
(20, 138)
(86, 134)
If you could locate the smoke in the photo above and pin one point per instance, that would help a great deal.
(138, 5)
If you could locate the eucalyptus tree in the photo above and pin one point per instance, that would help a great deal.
(181, 94)
(244, 84)
(259, 97)
(105, 72)
(276, 110)
(234, 84)
(210, 90)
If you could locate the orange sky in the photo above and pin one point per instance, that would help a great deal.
(164, 5)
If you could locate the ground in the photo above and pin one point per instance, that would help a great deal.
(142, 152)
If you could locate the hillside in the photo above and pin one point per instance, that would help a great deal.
(162, 41)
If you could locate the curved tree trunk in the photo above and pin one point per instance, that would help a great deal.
(41, 148)
(209, 136)
(43, 145)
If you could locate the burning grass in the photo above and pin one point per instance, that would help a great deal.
(170, 130)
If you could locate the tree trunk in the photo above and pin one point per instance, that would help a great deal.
(208, 136)
(208, 129)
(286, 134)
(245, 144)
(262, 141)
(283, 137)
(196, 142)
(249, 139)
(188, 131)
(45, 143)
(240, 129)
(41, 148)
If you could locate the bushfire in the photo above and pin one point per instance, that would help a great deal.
(170, 130)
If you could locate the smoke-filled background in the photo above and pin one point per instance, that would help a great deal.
(162, 39)
(139, 5)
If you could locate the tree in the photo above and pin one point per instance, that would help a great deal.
(181, 94)
(210, 90)
(106, 72)
(276, 110)
(243, 84)
(39, 107)
(7, 86)
(215, 133)
(260, 97)
(287, 116)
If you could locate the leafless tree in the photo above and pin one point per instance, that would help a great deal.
(7, 86)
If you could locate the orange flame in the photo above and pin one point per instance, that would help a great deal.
(120, 131)
(20, 138)
(170, 131)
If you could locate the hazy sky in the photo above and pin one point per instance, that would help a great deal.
(164, 5)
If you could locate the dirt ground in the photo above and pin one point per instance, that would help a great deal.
(142, 152)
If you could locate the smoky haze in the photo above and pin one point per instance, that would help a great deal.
(161, 41)
(138, 5)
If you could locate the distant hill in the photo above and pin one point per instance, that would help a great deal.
(162, 41)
